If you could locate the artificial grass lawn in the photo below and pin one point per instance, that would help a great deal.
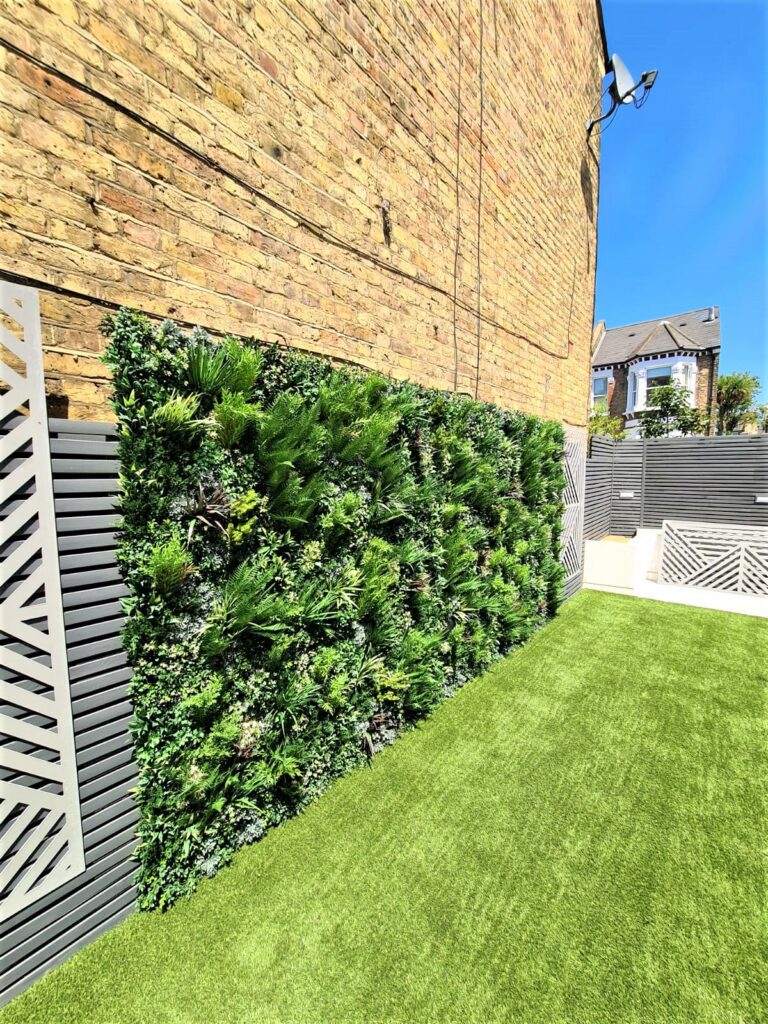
(576, 837)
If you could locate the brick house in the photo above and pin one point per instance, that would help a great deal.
(376, 182)
(629, 362)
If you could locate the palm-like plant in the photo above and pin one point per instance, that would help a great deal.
(207, 368)
(735, 395)
(178, 415)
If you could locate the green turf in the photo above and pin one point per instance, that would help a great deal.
(576, 837)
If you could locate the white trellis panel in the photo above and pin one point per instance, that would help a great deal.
(732, 558)
(41, 843)
(572, 541)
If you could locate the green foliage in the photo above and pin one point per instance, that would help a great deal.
(361, 548)
(760, 418)
(244, 366)
(233, 416)
(177, 414)
(207, 368)
(672, 413)
(246, 512)
(212, 369)
(735, 394)
(603, 425)
(168, 566)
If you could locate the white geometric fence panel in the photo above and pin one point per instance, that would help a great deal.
(572, 539)
(716, 557)
(41, 842)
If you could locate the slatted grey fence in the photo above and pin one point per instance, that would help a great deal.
(598, 489)
(640, 483)
(572, 539)
(48, 930)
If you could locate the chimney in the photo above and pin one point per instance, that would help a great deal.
(712, 314)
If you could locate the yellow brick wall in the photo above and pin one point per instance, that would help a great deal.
(226, 163)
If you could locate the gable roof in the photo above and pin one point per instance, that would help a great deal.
(691, 332)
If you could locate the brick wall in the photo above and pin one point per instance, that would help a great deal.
(226, 163)
(617, 405)
(706, 381)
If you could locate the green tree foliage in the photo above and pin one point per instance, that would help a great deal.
(603, 425)
(361, 548)
(672, 413)
(735, 394)
(761, 418)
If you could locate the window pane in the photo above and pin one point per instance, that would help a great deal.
(658, 376)
(600, 387)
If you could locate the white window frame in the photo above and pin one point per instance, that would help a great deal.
(607, 376)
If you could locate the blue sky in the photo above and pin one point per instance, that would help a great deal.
(684, 181)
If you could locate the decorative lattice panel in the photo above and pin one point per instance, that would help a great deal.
(573, 517)
(730, 558)
(41, 843)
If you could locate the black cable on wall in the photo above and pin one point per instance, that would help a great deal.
(458, 207)
(480, 200)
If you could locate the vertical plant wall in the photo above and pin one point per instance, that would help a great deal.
(316, 558)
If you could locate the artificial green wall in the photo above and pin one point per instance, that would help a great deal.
(316, 558)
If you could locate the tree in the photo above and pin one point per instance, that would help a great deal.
(735, 395)
(761, 417)
(603, 425)
(672, 413)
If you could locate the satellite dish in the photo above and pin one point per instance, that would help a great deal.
(623, 89)
(623, 85)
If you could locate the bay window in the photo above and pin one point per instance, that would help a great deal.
(647, 375)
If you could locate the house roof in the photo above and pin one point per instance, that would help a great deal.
(695, 331)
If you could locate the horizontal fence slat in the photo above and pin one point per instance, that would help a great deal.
(85, 467)
(78, 597)
(86, 485)
(57, 426)
(89, 503)
(82, 448)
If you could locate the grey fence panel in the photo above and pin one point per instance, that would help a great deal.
(707, 479)
(626, 487)
(597, 507)
(48, 931)
(634, 483)
(573, 518)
